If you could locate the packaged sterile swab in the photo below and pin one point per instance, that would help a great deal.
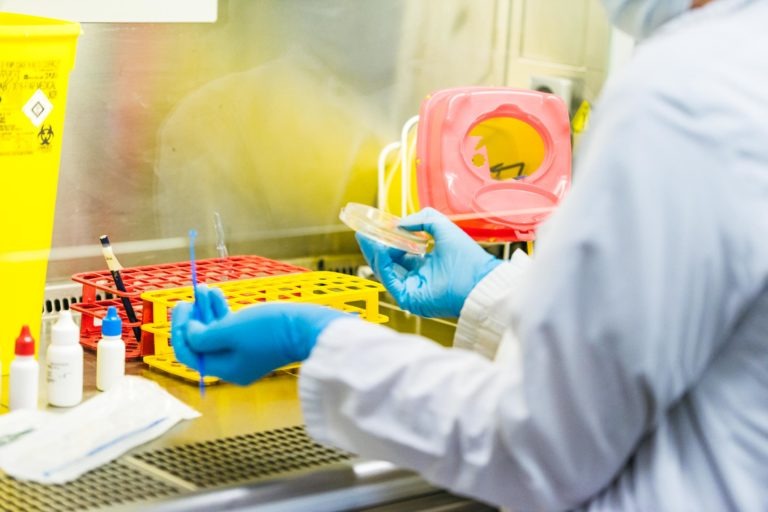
(66, 445)
(19, 423)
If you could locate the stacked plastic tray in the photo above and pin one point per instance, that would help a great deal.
(347, 293)
(141, 279)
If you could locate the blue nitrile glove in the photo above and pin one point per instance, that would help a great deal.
(244, 346)
(435, 285)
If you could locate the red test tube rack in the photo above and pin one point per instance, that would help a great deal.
(146, 278)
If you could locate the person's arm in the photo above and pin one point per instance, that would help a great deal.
(626, 303)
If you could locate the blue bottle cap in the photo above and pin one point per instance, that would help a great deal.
(111, 325)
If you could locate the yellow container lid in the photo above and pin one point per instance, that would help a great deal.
(18, 26)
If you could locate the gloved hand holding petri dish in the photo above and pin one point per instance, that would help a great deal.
(431, 284)
(384, 228)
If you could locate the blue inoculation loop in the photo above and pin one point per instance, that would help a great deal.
(195, 312)
(192, 236)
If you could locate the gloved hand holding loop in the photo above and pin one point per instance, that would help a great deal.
(437, 284)
(243, 346)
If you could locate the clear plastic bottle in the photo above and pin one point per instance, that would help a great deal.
(25, 373)
(110, 351)
(64, 363)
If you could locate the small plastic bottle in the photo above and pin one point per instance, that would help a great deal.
(110, 352)
(24, 373)
(64, 363)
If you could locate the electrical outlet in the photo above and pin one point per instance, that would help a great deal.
(562, 87)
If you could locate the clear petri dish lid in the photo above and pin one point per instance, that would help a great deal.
(384, 228)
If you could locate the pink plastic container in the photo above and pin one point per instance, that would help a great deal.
(496, 159)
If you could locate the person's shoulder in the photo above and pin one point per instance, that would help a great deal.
(693, 73)
(664, 67)
(704, 60)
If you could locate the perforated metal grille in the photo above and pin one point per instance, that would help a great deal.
(243, 458)
(110, 485)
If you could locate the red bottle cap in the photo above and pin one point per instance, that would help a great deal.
(25, 343)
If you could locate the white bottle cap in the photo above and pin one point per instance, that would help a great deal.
(65, 331)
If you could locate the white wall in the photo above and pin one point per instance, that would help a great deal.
(117, 10)
(502, 42)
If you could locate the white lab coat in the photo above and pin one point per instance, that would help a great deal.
(634, 372)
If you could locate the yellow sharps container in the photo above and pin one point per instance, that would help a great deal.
(36, 56)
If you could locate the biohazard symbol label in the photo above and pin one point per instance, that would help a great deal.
(45, 135)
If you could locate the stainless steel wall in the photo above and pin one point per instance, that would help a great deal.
(273, 117)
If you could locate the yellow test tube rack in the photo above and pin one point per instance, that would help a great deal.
(347, 293)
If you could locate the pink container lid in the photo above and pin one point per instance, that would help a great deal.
(449, 180)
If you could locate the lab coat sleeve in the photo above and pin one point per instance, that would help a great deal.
(485, 315)
(625, 304)
(405, 399)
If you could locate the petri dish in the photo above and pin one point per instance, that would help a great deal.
(384, 228)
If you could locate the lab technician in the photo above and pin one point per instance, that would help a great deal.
(632, 368)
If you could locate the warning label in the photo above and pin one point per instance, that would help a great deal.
(28, 91)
